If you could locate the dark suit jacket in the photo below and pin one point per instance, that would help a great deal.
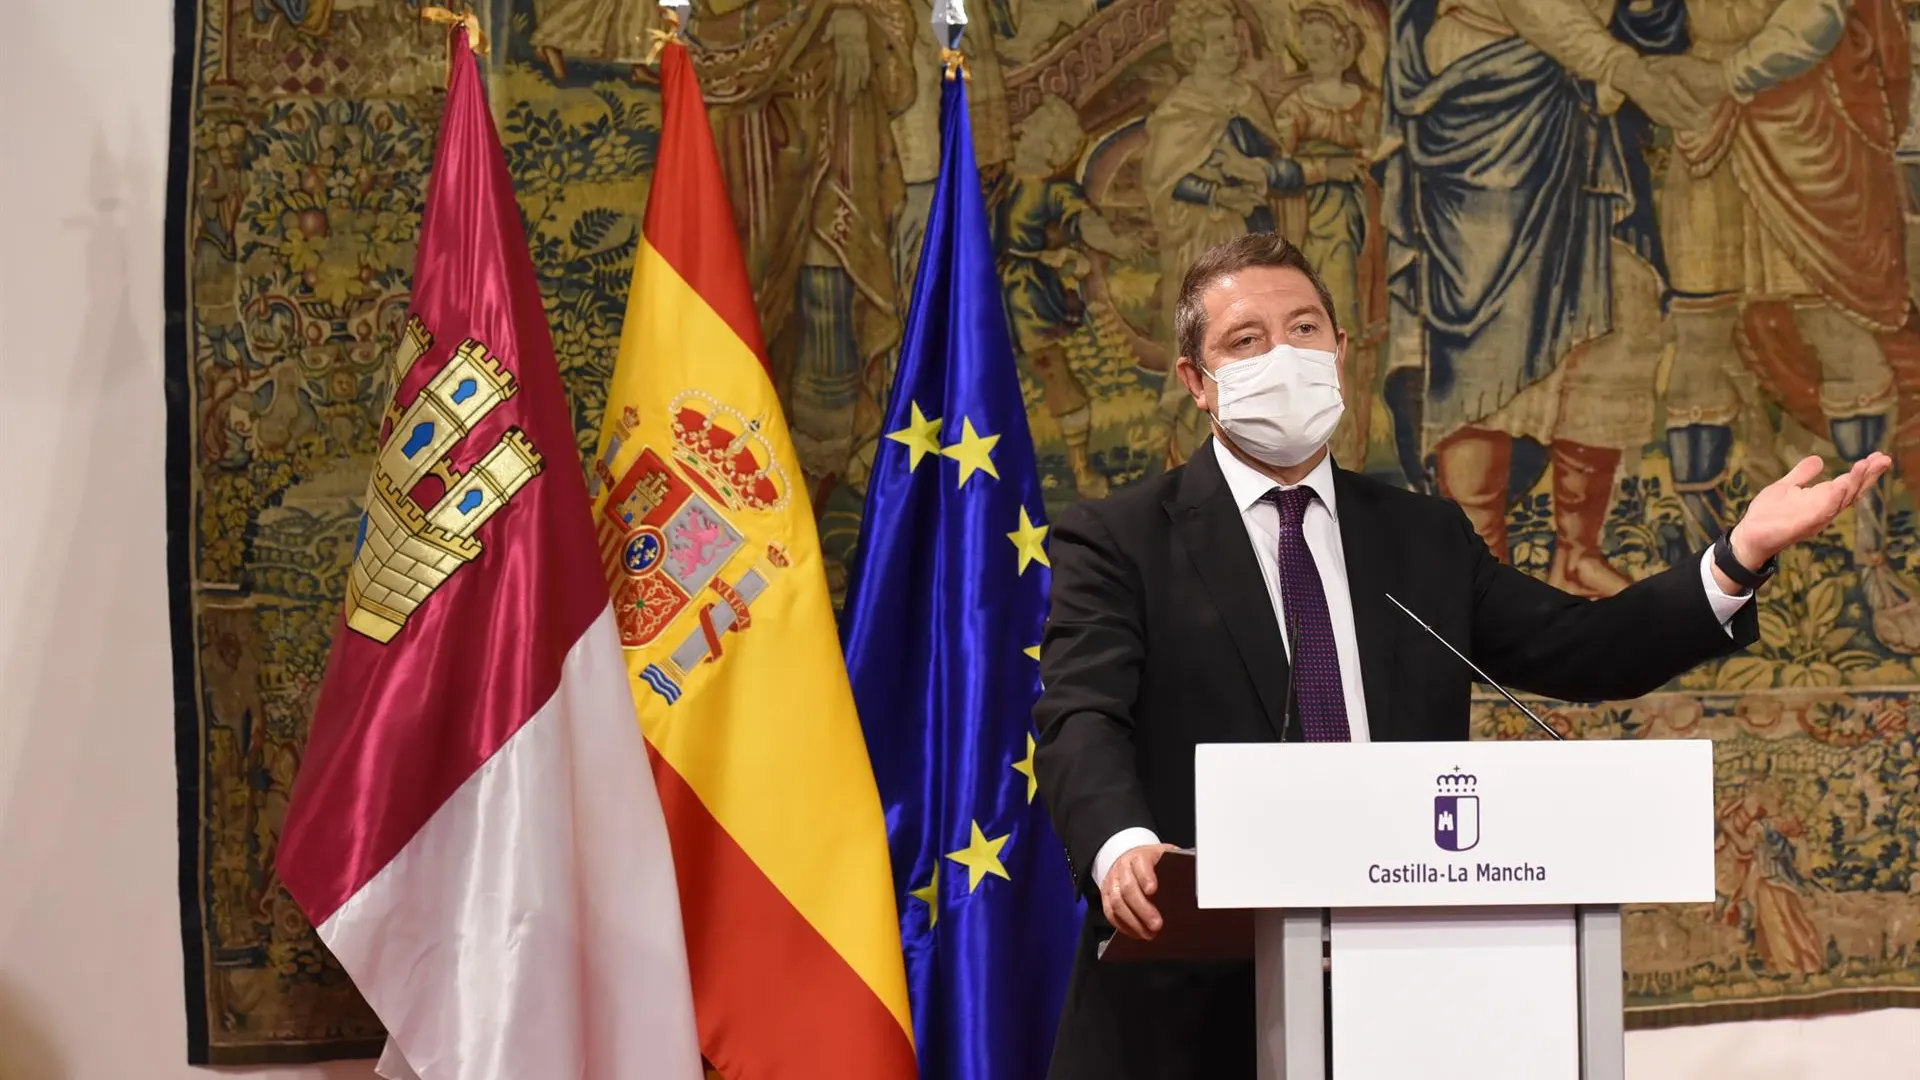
(1161, 637)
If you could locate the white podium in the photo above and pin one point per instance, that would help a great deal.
(1469, 894)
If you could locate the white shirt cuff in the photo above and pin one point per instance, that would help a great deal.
(1724, 607)
(1119, 844)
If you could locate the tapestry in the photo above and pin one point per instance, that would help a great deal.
(1743, 210)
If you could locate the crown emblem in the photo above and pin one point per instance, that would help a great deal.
(1455, 782)
(727, 453)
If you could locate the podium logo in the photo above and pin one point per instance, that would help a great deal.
(1456, 811)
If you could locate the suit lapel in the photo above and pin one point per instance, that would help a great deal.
(1372, 572)
(1211, 529)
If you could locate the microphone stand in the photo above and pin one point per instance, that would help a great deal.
(1476, 670)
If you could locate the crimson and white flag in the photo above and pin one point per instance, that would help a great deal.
(475, 829)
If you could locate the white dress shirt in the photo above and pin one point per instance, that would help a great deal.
(1321, 527)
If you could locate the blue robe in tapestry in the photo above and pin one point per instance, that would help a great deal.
(1503, 197)
(1034, 220)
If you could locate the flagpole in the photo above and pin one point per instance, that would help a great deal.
(949, 23)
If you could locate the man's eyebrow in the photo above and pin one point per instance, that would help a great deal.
(1244, 322)
(1305, 309)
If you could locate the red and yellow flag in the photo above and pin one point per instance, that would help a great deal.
(709, 543)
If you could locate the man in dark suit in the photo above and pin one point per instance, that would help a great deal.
(1180, 605)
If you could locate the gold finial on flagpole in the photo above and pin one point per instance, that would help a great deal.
(476, 37)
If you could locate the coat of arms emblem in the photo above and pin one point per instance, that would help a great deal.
(408, 546)
(1456, 812)
(679, 562)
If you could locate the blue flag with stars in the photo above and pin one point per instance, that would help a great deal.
(945, 606)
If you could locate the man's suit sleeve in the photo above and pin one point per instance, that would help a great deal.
(1529, 635)
(1090, 662)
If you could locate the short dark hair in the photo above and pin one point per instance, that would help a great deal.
(1230, 257)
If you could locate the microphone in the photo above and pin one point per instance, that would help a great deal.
(1476, 669)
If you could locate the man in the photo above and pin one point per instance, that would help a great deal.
(1779, 207)
(607, 31)
(803, 95)
(1521, 233)
(1177, 603)
(1041, 216)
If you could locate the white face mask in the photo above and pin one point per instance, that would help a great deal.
(1280, 407)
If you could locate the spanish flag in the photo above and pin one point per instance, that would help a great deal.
(708, 540)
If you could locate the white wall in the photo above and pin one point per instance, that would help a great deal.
(90, 970)
(90, 965)
(1882, 1045)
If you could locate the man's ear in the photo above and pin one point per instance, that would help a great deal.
(1188, 372)
(1340, 359)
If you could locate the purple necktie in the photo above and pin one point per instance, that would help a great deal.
(1316, 665)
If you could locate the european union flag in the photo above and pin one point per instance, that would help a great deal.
(942, 631)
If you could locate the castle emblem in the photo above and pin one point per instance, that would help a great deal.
(1456, 811)
(600, 476)
(678, 562)
(408, 546)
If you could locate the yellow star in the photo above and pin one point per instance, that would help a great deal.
(921, 437)
(974, 452)
(981, 857)
(1032, 651)
(929, 895)
(1031, 539)
(1025, 768)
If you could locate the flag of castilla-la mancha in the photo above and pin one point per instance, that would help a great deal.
(709, 543)
(474, 830)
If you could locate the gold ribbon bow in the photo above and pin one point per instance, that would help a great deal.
(673, 32)
(955, 64)
(476, 37)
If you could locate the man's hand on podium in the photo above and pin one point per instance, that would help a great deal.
(1124, 894)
